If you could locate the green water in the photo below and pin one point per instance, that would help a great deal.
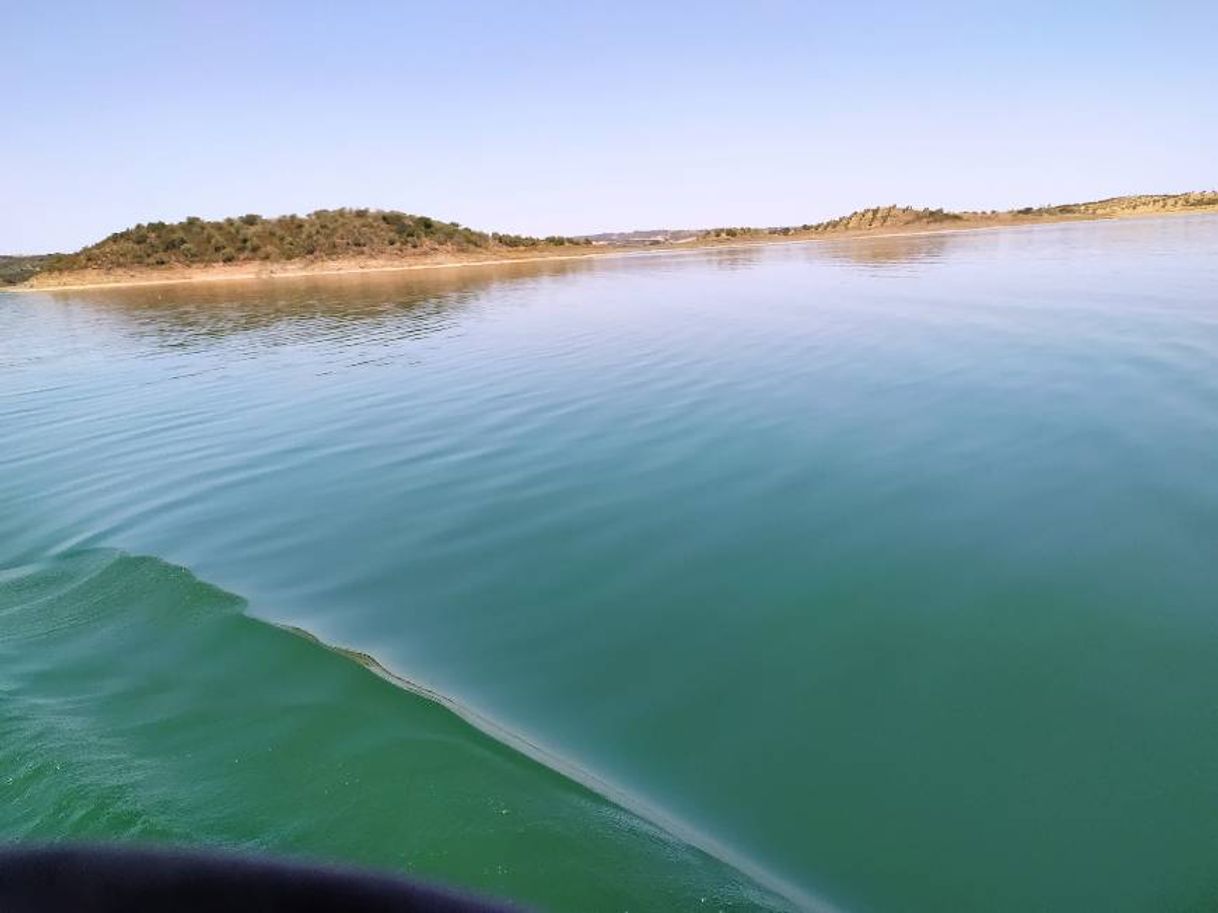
(873, 576)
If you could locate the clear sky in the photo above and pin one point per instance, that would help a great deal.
(583, 116)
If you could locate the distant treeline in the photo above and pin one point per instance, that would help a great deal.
(326, 234)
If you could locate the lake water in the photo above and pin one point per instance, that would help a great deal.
(855, 576)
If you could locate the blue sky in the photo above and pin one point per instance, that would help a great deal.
(574, 117)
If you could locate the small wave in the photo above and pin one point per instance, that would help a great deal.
(669, 824)
(66, 626)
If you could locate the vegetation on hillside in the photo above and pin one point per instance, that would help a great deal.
(328, 234)
(897, 217)
(18, 269)
(1139, 203)
(863, 219)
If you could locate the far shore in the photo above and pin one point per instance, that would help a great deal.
(80, 280)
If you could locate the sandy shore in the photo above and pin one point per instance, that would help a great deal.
(91, 279)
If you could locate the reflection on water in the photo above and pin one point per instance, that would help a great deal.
(417, 302)
(391, 304)
(884, 254)
(396, 304)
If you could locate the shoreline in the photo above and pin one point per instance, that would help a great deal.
(293, 269)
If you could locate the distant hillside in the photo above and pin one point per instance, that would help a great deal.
(347, 239)
(1133, 205)
(897, 218)
(643, 236)
(328, 234)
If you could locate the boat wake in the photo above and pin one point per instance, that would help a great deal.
(113, 663)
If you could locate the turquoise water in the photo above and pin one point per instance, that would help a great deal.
(867, 576)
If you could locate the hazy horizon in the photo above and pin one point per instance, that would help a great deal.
(543, 119)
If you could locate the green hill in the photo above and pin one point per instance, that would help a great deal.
(328, 234)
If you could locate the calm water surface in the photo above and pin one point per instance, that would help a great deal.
(875, 576)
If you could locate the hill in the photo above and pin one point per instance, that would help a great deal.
(905, 218)
(328, 234)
